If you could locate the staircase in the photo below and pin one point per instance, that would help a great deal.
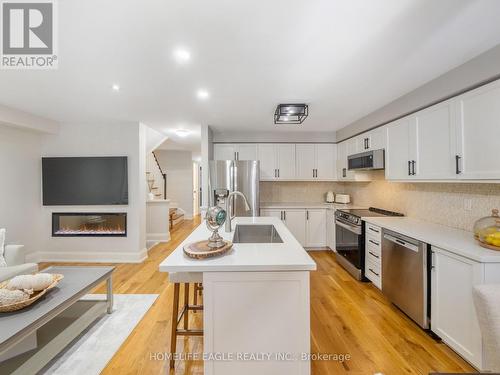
(155, 177)
(176, 217)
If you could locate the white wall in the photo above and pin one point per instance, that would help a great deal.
(20, 194)
(114, 139)
(178, 166)
(19, 119)
(482, 68)
(207, 154)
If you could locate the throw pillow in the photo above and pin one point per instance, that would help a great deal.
(2, 248)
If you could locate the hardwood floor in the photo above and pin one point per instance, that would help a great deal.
(347, 317)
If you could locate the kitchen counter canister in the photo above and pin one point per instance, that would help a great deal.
(453, 240)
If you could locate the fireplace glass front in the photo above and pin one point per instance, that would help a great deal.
(89, 224)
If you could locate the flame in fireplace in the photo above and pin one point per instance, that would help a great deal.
(92, 229)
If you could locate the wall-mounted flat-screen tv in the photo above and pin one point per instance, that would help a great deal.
(85, 180)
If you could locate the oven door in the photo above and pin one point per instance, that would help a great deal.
(349, 245)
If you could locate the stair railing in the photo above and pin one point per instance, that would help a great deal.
(164, 175)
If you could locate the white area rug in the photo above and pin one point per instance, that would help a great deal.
(93, 349)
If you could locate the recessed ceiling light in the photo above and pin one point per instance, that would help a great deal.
(182, 133)
(182, 55)
(115, 87)
(202, 94)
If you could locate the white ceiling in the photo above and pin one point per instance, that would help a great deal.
(191, 142)
(345, 58)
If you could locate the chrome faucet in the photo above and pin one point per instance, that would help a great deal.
(229, 207)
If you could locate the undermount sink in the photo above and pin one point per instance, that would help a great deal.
(256, 234)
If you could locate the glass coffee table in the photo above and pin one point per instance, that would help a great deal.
(31, 337)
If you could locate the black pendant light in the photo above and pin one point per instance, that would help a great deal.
(291, 113)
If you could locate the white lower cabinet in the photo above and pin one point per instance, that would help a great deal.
(271, 213)
(373, 254)
(316, 227)
(295, 222)
(453, 315)
(308, 226)
(330, 229)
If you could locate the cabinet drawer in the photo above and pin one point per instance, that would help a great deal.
(373, 273)
(373, 242)
(374, 231)
(373, 254)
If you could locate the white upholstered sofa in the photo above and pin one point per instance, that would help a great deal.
(15, 259)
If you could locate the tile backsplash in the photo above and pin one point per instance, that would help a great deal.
(456, 205)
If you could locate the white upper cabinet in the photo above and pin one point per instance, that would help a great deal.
(375, 139)
(306, 161)
(326, 160)
(246, 151)
(435, 142)
(355, 145)
(286, 161)
(277, 161)
(267, 157)
(316, 161)
(478, 133)
(224, 151)
(398, 156)
(235, 151)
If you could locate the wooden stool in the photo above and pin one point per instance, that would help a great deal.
(185, 278)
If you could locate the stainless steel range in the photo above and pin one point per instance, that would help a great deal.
(350, 238)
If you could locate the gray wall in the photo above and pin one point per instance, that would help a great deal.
(258, 136)
(481, 69)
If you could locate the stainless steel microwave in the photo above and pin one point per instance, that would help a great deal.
(369, 160)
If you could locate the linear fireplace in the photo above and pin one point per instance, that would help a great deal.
(85, 224)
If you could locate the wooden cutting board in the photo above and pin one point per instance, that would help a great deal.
(200, 250)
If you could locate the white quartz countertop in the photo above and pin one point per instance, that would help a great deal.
(307, 205)
(453, 240)
(286, 256)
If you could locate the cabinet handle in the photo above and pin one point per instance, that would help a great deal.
(281, 215)
(409, 167)
(457, 164)
(278, 173)
(313, 173)
(275, 175)
(373, 230)
(372, 271)
(375, 255)
(284, 215)
(307, 215)
(413, 167)
(237, 155)
(373, 242)
(344, 172)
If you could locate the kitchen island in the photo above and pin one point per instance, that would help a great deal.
(256, 302)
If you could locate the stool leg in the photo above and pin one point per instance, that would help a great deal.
(186, 304)
(195, 295)
(173, 335)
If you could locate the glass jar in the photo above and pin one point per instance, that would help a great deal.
(487, 231)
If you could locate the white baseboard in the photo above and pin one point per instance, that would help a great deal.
(88, 257)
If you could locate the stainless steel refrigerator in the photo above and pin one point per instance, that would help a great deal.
(235, 175)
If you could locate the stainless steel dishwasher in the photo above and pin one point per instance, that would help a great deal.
(405, 275)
